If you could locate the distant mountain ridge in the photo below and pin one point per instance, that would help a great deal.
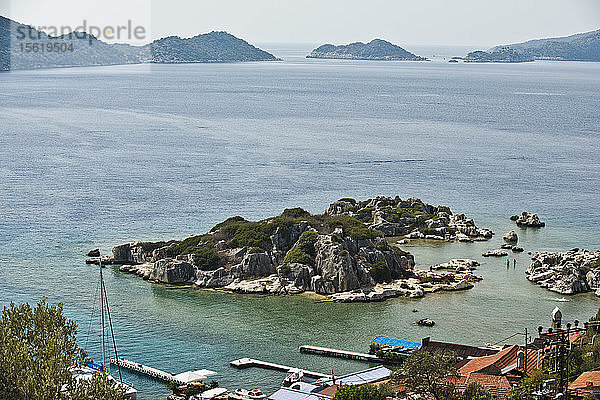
(578, 47)
(376, 49)
(82, 49)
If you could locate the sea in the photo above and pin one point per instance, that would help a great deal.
(93, 157)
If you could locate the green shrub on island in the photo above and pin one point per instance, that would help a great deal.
(303, 251)
(355, 228)
(251, 235)
(380, 272)
(149, 247)
(227, 222)
(295, 213)
(190, 244)
(237, 232)
(206, 258)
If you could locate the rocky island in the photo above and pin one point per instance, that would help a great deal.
(344, 253)
(528, 220)
(579, 47)
(571, 272)
(83, 49)
(376, 49)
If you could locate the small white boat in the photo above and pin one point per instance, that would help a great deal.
(209, 394)
(253, 394)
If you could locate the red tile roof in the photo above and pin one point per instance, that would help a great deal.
(495, 364)
(329, 391)
(586, 382)
(497, 385)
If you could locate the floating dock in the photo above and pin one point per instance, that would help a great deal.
(350, 355)
(249, 362)
(145, 370)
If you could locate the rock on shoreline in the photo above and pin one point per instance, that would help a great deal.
(571, 272)
(416, 287)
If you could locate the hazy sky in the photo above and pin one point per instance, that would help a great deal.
(478, 23)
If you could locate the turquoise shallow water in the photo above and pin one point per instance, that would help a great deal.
(96, 156)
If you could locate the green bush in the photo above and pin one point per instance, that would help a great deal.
(354, 228)
(227, 222)
(359, 392)
(381, 272)
(149, 247)
(251, 235)
(394, 218)
(295, 255)
(188, 245)
(295, 213)
(206, 258)
(303, 251)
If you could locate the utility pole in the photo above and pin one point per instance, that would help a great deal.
(525, 359)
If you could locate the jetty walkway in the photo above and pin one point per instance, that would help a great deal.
(249, 362)
(145, 370)
(351, 355)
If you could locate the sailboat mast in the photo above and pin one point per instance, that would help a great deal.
(102, 311)
(112, 332)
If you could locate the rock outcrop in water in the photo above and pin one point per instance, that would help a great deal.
(510, 237)
(528, 220)
(571, 272)
(334, 252)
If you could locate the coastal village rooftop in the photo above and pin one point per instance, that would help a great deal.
(587, 383)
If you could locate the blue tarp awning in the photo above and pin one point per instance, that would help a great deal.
(397, 342)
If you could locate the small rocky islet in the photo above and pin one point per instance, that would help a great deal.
(570, 272)
(344, 253)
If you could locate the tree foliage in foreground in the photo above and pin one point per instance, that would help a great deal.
(97, 388)
(37, 348)
(426, 374)
(362, 392)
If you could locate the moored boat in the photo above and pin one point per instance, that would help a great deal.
(254, 394)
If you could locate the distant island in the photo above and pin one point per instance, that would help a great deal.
(376, 49)
(579, 47)
(83, 49)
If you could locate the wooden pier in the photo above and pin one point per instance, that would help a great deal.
(249, 362)
(145, 370)
(351, 355)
